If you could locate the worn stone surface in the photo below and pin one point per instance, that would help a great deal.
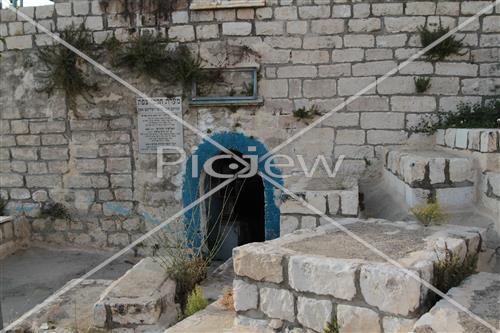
(246, 296)
(313, 313)
(353, 319)
(277, 303)
(261, 263)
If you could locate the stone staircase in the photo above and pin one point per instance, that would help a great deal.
(422, 175)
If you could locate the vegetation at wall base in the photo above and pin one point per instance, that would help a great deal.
(196, 302)
(430, 213)
(64, 69)
(447, 47)
(467, 116)
(450, 270)
(422, 84)
(332, 326)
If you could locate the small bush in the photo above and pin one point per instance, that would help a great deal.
(148, 54)
(3, 204)
(429, 214)
(447, 47)
(332, 326)
(422, 84)
(466, 116)
(63, 68)
(304, 113)
(54, 210)
(450, 271)
(196, 302)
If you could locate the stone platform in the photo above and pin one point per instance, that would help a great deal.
(303, 279)
(421, 175)
(480, 293)
(143, 299)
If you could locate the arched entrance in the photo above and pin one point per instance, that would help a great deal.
(243, 212)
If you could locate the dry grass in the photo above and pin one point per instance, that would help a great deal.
(227, 300)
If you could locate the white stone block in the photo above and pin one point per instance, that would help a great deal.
(390, 288)
(449, 137)
(461, 138)
(353, 319)
(455, 197)
(260, 262)
(313, 313)
(288, 224)
(181, 33)
(308, 222)
(436, 170)
(489, 141)
(323, 276)
(397, 325)
(18, 42)
(246, 295)
(277, 303)
(460, 170)
(349, 202)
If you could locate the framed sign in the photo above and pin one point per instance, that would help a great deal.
(156, 127)
(215, 4)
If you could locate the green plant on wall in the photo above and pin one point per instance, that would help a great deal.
(467, 115)
(306, 113)
(332, 326)
(54, 210)
(149, 55)
(422, 84)
(63, 68)
(447, 47)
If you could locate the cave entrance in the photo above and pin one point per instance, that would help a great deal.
(235, 215)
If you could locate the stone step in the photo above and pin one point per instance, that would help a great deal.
(141, 297)
(421, 175)
(479, 293)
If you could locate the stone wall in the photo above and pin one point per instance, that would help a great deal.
(282, 287)
(308, 52)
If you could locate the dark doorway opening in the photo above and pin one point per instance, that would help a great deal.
(235, 215)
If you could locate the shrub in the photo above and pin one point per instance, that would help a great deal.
(306, 113)
(449, 271)
(55, 210)
(467, 116)
(422, 84)
(447, 47)
(63, 68)
(196, 302)
(332, 326)
(148, 54)
(429, 214)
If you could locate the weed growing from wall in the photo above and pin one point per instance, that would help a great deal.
(54, 210)
(149, 55)
(466, 116)
(304, 113)
(63, 68)
(422, 84)
(447, 47)
(332, 326)
(161, 9)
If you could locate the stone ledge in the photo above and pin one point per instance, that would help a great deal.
(484, 140)
(143, 296)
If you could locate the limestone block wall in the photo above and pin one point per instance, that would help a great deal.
(307, 53)
(281, 287)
